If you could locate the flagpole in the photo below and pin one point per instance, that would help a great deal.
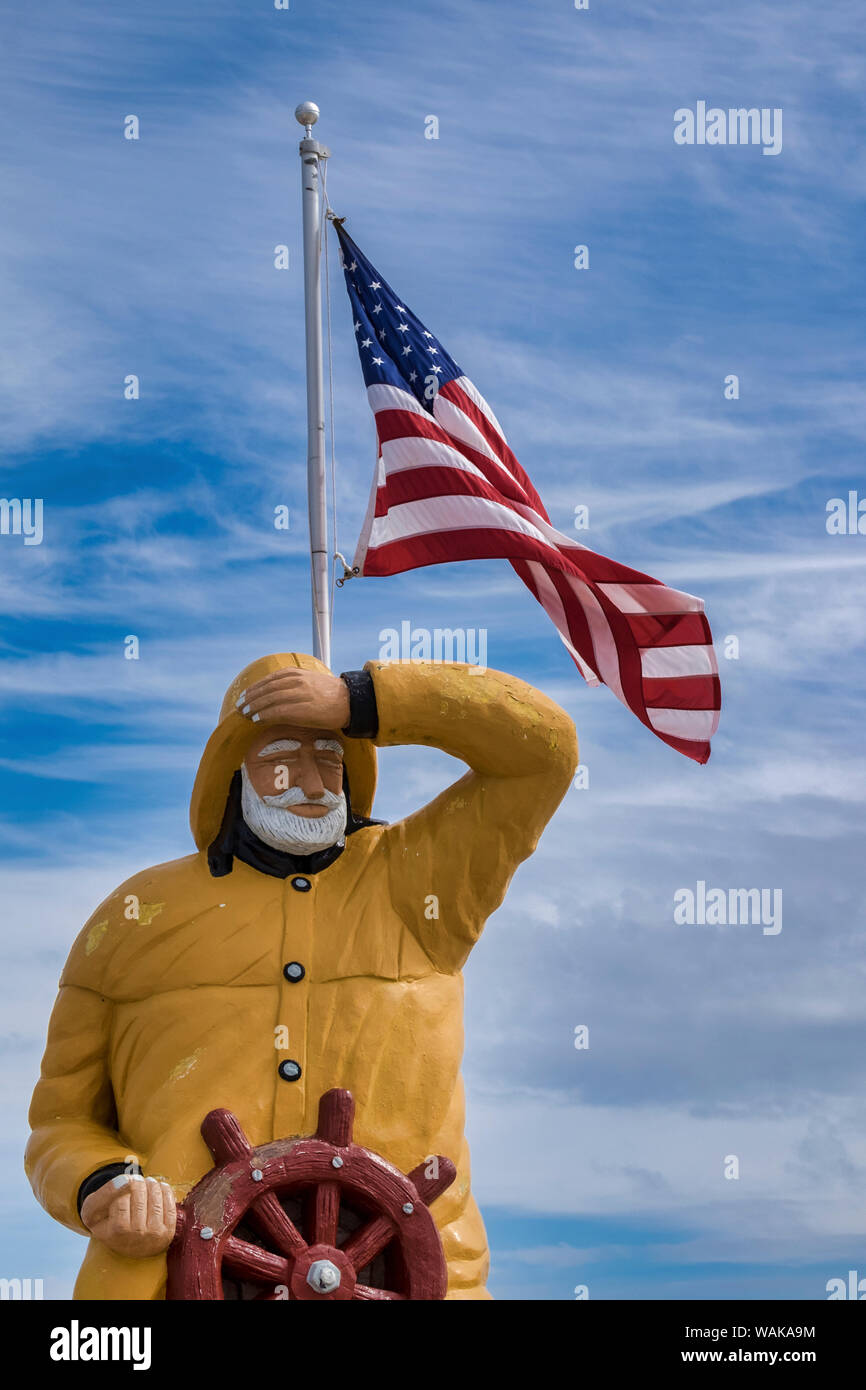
(311, 153)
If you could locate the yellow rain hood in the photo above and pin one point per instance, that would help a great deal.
(227, 746)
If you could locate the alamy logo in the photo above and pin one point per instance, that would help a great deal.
(846, 519)
(854, 1289)
(21, 1288)
(737, 126)
(719, 907)
(76, 1343)
(22, 516)
(465, 644)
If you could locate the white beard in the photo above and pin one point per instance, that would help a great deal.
(270, 818)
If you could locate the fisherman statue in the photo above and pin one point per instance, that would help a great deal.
(304, 946)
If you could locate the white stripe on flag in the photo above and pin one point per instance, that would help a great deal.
(417, 451)
(697, 724)
(651, 598)
(383, 397)
(660, 662)
(476, 397)
(451, 513)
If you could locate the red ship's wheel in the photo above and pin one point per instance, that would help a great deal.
(312, 1219)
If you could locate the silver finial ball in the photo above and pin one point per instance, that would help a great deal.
(307, 113)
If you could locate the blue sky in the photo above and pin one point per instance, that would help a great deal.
(601, 1167)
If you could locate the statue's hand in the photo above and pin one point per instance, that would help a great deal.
(132, 1215)
(312, 699)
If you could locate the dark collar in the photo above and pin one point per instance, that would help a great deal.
(236, 841)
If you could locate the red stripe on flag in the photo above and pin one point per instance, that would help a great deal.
(670, 629)
(682, 692)
(404, 424)
(441, 547)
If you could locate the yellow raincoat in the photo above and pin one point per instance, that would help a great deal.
(167, 1015)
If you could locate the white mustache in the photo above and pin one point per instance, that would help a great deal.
(294, 796)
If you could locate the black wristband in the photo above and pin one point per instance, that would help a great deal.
(101, 1177)
(363, 714)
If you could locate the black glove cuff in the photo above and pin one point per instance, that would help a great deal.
(363, 714)
(101, 1177)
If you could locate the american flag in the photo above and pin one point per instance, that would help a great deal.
(447, 487)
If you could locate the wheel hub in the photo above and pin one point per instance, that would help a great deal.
(322, 1272)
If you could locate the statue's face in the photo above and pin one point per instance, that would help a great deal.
(286, 755)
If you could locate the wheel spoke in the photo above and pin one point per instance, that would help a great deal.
(252, 1262)
(325, 1203)
(368, 1240)
(271, 1220)
(364, 1291)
